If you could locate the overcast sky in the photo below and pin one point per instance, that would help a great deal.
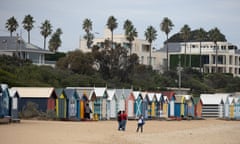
(69, 15)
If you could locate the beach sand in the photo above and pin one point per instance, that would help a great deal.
(209, 131)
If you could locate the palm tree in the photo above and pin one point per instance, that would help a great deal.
(150, 35)
(130, 33)
(46, 30)
(28, 24)
(185, 33)
(166, 26)
(11, 25)
(87, 26)
(112, 24)
(201, 36)
(215, 36)
(55, 41)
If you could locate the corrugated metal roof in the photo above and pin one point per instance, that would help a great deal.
(34, 92)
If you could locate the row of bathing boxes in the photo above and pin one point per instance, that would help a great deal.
(69, 103)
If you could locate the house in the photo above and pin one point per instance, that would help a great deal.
(227, 62)
(86, 95)
(4, 101)
(171, 98)
(44, 97)
(129, 102)
(100, 103)
(138, 103)
(144, 105)
(16, 46)
(213, 104)
(120, 100)
(14, 105)
(111, 104)
(73, 112)
(152, 105)
(198, 107)
(61, 103)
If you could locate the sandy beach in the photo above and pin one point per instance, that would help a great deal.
(209, 131)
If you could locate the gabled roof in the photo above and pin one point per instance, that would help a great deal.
(169, 94)
(136, 94)
(34, 92)
(165, 99)
(100, 91)
(214, 98)
(111, 94)
(13, 93)
(158, 96)
(127, 92)
(87, 91)
(144, 95)
(12, 44)
(71, 93)
(150, 96)
(59, 91)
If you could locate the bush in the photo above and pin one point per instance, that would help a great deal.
(30, 110)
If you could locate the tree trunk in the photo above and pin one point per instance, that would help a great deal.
(167, 52)
(150, 55)
(44, 43)
(29, 37)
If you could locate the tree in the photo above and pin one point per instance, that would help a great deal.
(130, 33)
(185, 34)
(46, 30)
(55, 41)
(166, 26)
(215, 36)
(150, 35)
(87, 27)
(28, 24)
(201, 36)
(112, 24)
(11, 25)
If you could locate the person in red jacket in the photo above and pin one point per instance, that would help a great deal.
(124, 120)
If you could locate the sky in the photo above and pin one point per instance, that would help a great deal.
(70, 14)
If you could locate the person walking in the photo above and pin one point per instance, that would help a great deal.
(140, 123)
(124, 120)
(87, 112)
(119, 119)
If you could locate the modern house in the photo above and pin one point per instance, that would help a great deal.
(16, 46)
(225, 58)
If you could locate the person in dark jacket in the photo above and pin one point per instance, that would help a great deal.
(87, 112)
(140, 123)
(119, 119)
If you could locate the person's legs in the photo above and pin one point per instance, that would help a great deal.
(119, 125)
(137, 128)
(141, 128)
(123, 125)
